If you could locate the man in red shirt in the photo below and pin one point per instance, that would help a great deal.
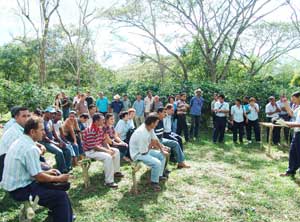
(95, 148)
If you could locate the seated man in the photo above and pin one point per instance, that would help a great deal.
(12, 120)
(140, 145)
(14, 132)
(23, 176)
(95, 148)
(175, 147)
(62, 154)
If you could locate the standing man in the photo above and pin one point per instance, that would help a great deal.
(139, 107)
(284, 114)
(182, 108)
(82, 105)
(66, 105)
(89, 99)
(272, 111)
(238, 118)
(196, 105)
(117, 106)
(148, 101)
(221, 110)
(126, 102)
(102, 103)
(212, 107)
(253, 121)
(23, 176)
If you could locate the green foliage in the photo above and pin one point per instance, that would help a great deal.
(296, 80)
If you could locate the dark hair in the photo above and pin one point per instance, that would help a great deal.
(182, 94)
(38, 112)
(238, 100)
(13, 111)
(91, 106)
(97, 116)
(160, 110)
(246, 97)
(296, 94)
(84, 115)
(19, 109)
(171, 97)
(169, 106)
(151, 118)
(32, 123)
(108, 115)
(222, 96)
(123, 114)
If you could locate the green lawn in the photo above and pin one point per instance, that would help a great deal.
(226, 183)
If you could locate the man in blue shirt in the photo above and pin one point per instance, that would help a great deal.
(102, 103)
(139, 107)
(116, 106)
(196, 105)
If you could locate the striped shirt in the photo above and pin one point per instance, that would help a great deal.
(22, 163)
(92, 136)
(181, 107)
(10, 136)
(110, 130)
(8, 124)
(159, 130)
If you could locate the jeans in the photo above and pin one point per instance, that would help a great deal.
(195, 124)
(175, 137)
(294, 156)
(219, 129)
(56, 201)
(255, 125)
(182, 126)
(238, 128)
(175, 147)
(156, 160)
(174, 124)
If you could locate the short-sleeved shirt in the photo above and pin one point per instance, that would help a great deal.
(270, 108)
(140, 141)
(22, 163)
(181, 107)
(81, 107)
(122, 128)
(237, 113)
(139, 107)
(110, 131)
(168, 124)
(156, 106)
(8, 124)
(196, 104)
(92, 136)
(159, 129)
(280, 106)
(102, 104)
(10, 136)
(57, 126)
(148, 103)
(222, 106)
(252, 113)
(117, 106)
(126, 104)
(89, 100)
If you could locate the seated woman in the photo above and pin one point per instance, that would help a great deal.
(112, 138)
(70, 130)
(131, 115)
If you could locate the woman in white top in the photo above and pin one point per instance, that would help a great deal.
(237, 120)
(123, 125)
(252, 115)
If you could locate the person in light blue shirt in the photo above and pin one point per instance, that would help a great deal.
(14, 132)
(12, 120)
(102, 103)
(139, 107)
(196, 105)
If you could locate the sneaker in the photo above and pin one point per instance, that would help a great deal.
(182, 165)
(155, 187)
(111, 185)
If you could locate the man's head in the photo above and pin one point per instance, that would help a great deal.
(49, 113)
(149, 93)
(296, 98)
(169, 109)
(82, 97)
(101, 94)
(272, 100)
(138, 97)
(92, 109)
(58, 115)
(151, 121)
(216, 96)
(198, 92)
(22, 115)
(13, 111)
(72, 115)
(156, 98)
(238, 102)
(125, 97)
(171, 99)
(131, 113)
(161, 113)
(246, 99)
(83, 118)
(252, 100)
(183, 96)
(117, 97)
(124, 115)
(34, 128)
(221, 98)
(98, 119)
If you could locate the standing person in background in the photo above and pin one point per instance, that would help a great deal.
(238, 117)
(139, 107)
(92, 111)
(252, 117)
(76, 99)
(126, 103)
(156, 104)
(82, 105)
(57, 102)
(182, 108)
(89, 99)
(284, 114)
(102, 103)
(171, 100)
(272, 111)
(196, 105)
(148, 101)
(221, 109)
(212, 107)
(65, 105)
(117, 107)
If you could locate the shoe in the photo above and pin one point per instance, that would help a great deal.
(111, 185)
(119, 175)
(287, 174)
(182, 165)
(155, 187)
(162, 178)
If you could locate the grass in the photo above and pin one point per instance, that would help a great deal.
(227, 182)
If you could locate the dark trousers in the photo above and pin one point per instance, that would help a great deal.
(175, 137)
(55, 200)
(2, 157)
(124, 150)
(276, 133)
(255, 125)
(182, 126)
(238, 128)
(219, 129)
(195, 125)
(294, 157)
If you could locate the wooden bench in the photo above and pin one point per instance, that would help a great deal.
(85, 165)
(27, 210)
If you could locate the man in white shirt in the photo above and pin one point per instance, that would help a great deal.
(272, 111)
(237, 120)
(252, 120)
(221, 110)
(148, 101)
(141, 148)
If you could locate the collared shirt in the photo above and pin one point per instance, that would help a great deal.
(148, 103)
(196, 104)
(126, 104)
(81, 107)
(122, 128)
(9, 124)
(297, 116)
(221, 106)
(280, 106)
(102, 104)
(10, 136)
(92, 136)
(159, 130)
(212, 104)
(139, 107)
(237, 113)
(116, 106)
(156, 106)
(22, 163)
(252, 113)
(181, 107)
(110, 130)
(140, 141)
(168, 124)
(270, 108)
